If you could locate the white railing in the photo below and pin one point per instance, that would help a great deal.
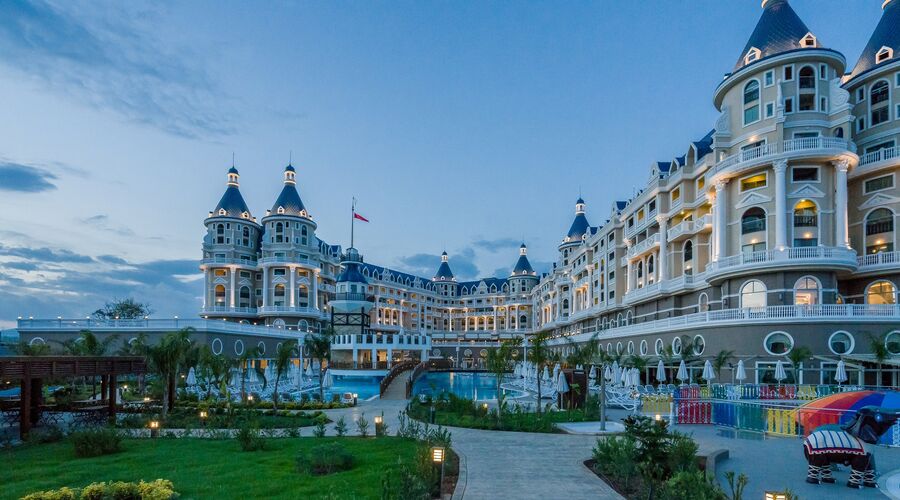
(689, 227)
(741, 316)
(774, 149)
(284, 260)
(643, 246)
(288, 309)
(150, 325)
(682, 282)
(878, 260)
(226, 309)
(841, 256)
(228, 260)
(880, 155)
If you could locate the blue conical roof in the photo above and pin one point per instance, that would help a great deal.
(886, 34)
(352, 274)
(779, 30)
(444, 273)
(289, 199)
(523, 267)
(231, 202)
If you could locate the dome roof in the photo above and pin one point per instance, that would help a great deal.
(778, 30)
(351, 274)
(886, 34)
(289, 202)
(444, 273)
(232, 204)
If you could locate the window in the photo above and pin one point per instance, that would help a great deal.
(753, 182)
(879, 100)
(676, 346)
(644, 348)
(806, 291)
(688, 256)
(805, 174)
(823, 104)
(769, 79)
(807, 78)
(878, 183)
(244, 297)
(892, 342)
(703, 304)
(883, 55)
(881, 292)
(220, 295)
(823, 71)
(789, 105)
(770, 109)
(860, 124)
(279, 232)
(778, 343)
(860, 94)
(897, 80)
(841, 343)
(806, 223)
(676, 194)
(808, 41)
(220, 233)
(751, 102)
(658, 347)
(651, 207)
(752, 55)
(879, 231)
(701, 183)
(699, 345)
(788, 73)
(753, 294)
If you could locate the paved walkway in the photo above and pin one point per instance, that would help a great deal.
(397, 389)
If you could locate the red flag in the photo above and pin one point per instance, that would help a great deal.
(360, 217)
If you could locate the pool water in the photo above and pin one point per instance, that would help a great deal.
(365, 387)
(475, 386)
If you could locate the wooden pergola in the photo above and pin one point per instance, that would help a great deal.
(31, 371)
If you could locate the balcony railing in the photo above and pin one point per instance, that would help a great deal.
(352, 296)
(838, 256)
(228, 260)
(770, 151)
(288, 309)
(880, 155)
(688, 227)
(284, 260)
(879, 226)
(227, 309)
(806, 221)
(753, 225)
(151, 326)
(643, 246)
(878, 260)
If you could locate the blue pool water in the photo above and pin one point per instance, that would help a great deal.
(366, 387)
(475, 386)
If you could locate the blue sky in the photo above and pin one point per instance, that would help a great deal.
(464, 126)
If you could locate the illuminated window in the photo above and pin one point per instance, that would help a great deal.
(806, 291)
(753, 182)
(751, 102)
(753, 294)
(881, 292)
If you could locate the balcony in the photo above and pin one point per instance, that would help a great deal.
(875, 160)
(284, 260)
(353, 296)
(643, 247)
(152, 326)
(288, 310)
(228, 310)
(227, 261)
(689, 227)
(768, 153)
(830, 257)
(806, 221)
(669, 286)
(877, 262)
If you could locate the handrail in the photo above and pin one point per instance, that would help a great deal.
(396, 369)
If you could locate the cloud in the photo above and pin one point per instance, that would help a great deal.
(25, 178)
(48, 282)
(101, 221)
(110, 58)
(496, 244)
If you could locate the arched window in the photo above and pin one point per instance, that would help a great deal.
(753, 294)
(879, 103)
(807, 78)
(751, 102)
(304, 235)
(703, 303)
(753, 220)
(629, 317)
(880, 231)
(881, 292)
(688, 257)
(650, 268)
(303, 296)
(640, 274)
(806, 291)
(806, 224)
(565, 303)
(245, 236)
(279, 295)
(220, 233)
(279, 232)
(245, 296)
(220, 295)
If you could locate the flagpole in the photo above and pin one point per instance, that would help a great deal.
(352, 220)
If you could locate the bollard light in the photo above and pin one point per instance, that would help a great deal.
(154, 424)
(776, 495)
(250, 397)
(484, 406)
(658, 417)
(437, 455)
(203, 414)
(146, 399)
(378, 420)
(154, 428)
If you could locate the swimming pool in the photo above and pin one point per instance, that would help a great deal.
(365, 387)
(469, 385)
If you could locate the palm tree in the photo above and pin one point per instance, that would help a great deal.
(216, 368)
(499, 361)
(539, 354)
(581, 354)
(319, 347)
(23, 348)
(720, 361)
(243, 361)
(880, 351)
(283, 355)
(796, 357)
(689, 353)
(166, 359)
(87, 344)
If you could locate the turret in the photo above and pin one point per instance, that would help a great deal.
(288, 221)
(578, 229)
(351, 288)
(230, 226)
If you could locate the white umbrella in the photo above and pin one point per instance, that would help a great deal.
(297, 375)
(191, 380)
(708, 373)
(841, 374)
(779, 371)
(607, 373)
(556, 371)
(562, 386)
(616, 373)
(579, 367)
(593, 373)
(636, 377)
(328, 381)
(252, 376)
(270, 372)
(661, 372)
(309, 371)
(546, 376)
(741, 372)
(682, 372)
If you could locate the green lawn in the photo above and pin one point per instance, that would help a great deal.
(205, 468)
(459, 412)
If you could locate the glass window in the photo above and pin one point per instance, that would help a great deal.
(892, 342)
(753, 294)
(879, 183)
(699, 345)
(778, 343)
(658, 347)
(676, 194)
(753, 220)
(676, 346)
(841, 343)
(881, 292)
(789, 105)
(806, 291)
(805, 174)
(751, 102)
(788, 73)
(753, 182)
(770, 78)
(807, 78)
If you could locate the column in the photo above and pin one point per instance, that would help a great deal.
(112, 398)
(374, 358)
(840, 203)
(495, 319)
(662, 261)
(721, 229)
(293, 285)
(628, 277)
(780, 168)
(205, 287)
(315, 289)
(233, 272)
(450, 321)
(265, 275)
(401, 316)
(390, 356)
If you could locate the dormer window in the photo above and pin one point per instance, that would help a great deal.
(245, 215)
(883, 55)
(222, 211)
(280, 210)
(809, 41)
(752, 55)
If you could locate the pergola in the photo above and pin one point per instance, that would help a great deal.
(31, 371)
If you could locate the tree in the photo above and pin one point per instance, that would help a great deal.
(878, 346)
(166, 359)
(720, 361)
(23, 348)
(283, 355)
(319, 347)
(689, 349)
(581, 354)
(796, 357)
(499, 362)
(540, 356)
(87, 344)
(243, 362)
(216, 368)
(126, 308)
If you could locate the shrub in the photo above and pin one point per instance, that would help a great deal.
(250, 439)
(160, 489)
(692, 484)
(682, 453)
(96, 442)
(325, 459)
(341, 427)
(616, 458)
(403, 483)
(60, 494)
(293, 432)
(49, 434)
(362, 425)
(319, 430)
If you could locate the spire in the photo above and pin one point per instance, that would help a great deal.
(884, 44)
(523, 267)
(444, 273)
(289, 202)
(232, 203)
(778, 30)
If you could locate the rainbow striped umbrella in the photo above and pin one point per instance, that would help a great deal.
(839, 408)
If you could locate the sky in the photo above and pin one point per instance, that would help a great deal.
(465, 126)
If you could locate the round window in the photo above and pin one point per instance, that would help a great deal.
(608, 348)
(239, 347)
(778, 343)
(699, 345)
(468, 352)
(618, 348)
(644, 348)
(262, 347)
(217, 346)
(630, 347)
(435, 352)
(676, 346)
(841, 343)
(38, 341)
(658, 347)
(892, 342)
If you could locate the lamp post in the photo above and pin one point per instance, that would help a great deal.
(203, 415)
(775, 495)
(154, 428)
(437, 456)
(379, 425)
